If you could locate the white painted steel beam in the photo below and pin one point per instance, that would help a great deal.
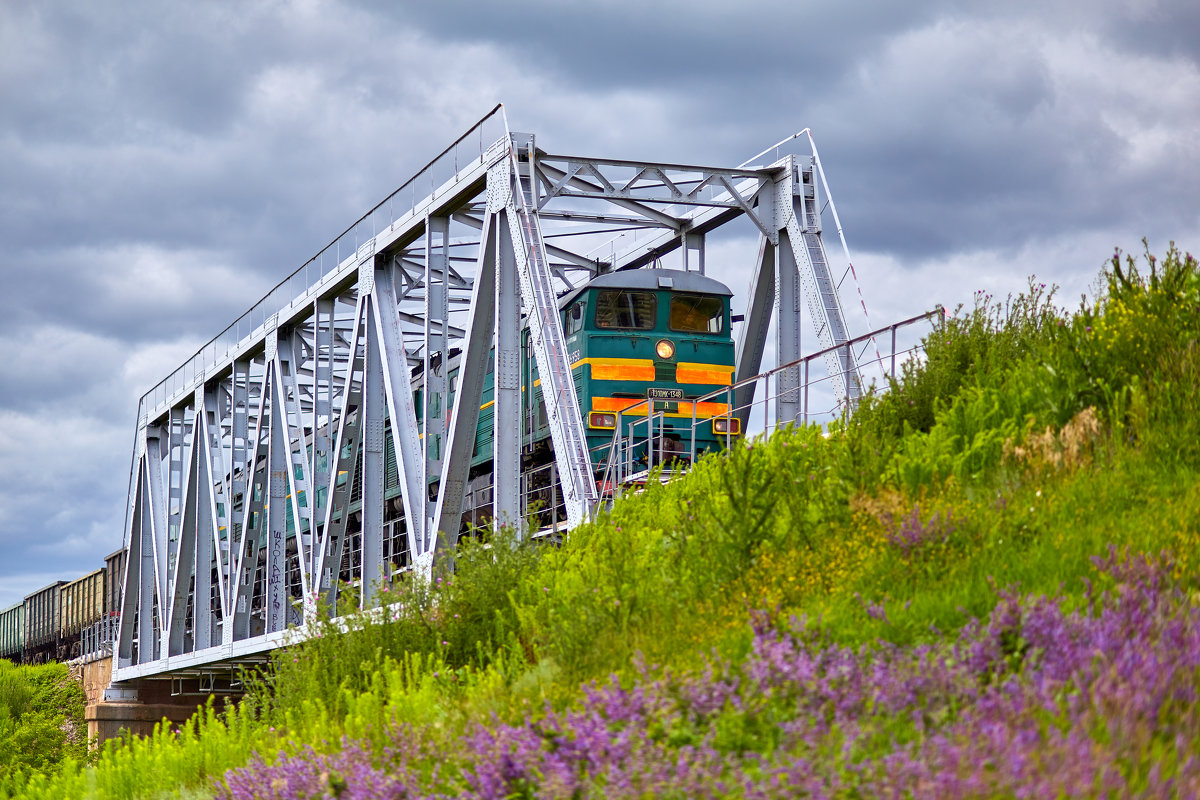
(506, 385)
(436, 366)
(476, 350)
(401, 407)
(185, 560)
(549, 346)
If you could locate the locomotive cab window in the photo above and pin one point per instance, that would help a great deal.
(575, 318)
(623, 308)
(697, 313)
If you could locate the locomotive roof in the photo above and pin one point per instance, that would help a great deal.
(651, 279)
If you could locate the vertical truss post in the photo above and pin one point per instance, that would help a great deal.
(436, 364)
(206, 528)
(147, 633)
(343, 461)
(473, 367)
(401, 408)
(137, 596)
(373, 411)
(130, 581)
(185, 564)
(506, 436)
(546, 335)
(253, 529)
(176, 444)
(275, 509)
(299, 483)
(752, 339)
(239, 467)
(787, 300)
(787, 303)
(693, 252)
(221, 507)
(802, 227)
(321, 459)
(156, 513)
(123, 647)
(240, 428)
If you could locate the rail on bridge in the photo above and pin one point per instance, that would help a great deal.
(319, 439)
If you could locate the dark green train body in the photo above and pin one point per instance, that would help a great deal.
(630, 336)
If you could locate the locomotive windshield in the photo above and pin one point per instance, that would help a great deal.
(624, 308)
(697, 313)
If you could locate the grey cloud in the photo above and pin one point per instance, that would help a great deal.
(984, 153)
(691, 45)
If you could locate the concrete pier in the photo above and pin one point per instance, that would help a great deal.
(137, 709)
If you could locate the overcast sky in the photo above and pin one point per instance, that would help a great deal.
(163, 164)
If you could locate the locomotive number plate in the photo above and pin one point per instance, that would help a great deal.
(664, 394)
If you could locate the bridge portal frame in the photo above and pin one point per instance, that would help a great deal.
(249, 459)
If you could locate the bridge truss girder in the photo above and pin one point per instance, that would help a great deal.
(260, 472)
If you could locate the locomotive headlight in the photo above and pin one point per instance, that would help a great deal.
(727, 425)
(602, 419)
(665, 348)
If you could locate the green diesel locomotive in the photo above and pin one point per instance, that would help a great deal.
(635, 339)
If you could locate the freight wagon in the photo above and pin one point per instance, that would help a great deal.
(114, 581)
(12, 632)
(42, 622)
(66, 619)
(81, 604)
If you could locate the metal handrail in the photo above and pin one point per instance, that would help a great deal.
(96, 639)
(866, 337)
(627, 438)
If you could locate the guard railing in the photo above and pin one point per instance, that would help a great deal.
(643, 440)
(95, 640)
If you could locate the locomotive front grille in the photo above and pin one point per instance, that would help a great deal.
(664, 372)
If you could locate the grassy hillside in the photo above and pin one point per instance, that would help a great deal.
(41, 719)
(982, 584)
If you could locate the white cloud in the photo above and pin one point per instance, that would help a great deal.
(1158, 125)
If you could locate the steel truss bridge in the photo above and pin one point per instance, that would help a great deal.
(248, 457)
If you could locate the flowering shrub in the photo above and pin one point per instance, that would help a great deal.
(912, 533)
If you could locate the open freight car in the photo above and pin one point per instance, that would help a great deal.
(42, 623)
(12, 632)
(81, 604)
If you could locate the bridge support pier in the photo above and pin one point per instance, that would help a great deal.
(136, 706)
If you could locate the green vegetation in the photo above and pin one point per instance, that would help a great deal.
(41, 719)
(1033, 454)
